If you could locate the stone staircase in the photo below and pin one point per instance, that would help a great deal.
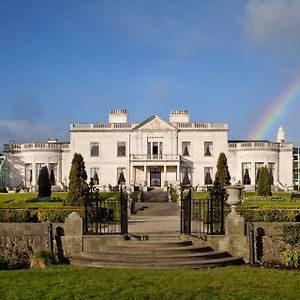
(156, 252)
(156, 195)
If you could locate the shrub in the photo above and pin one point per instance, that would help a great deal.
(222, 176)
(78, 187)
(264, 183)
(291, 234)
(43, 199)
(42, 258)
(4, 261)
(56, 215)
(3, 190)
(291, 258)
(44, 183)
(269, 214)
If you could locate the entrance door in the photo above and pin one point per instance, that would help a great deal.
(155, 177)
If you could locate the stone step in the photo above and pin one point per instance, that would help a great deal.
(147, 250)
(153, 243)
(121, 257)
(207, 263)
(155, 196)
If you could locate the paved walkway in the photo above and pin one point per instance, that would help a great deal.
(156, 218)
(154, 224)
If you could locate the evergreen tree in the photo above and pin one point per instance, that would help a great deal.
(78, 186)
(44, 183)
(52, 177)
(264, 183)
(222, 175)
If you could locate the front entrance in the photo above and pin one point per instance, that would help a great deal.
(155, 177)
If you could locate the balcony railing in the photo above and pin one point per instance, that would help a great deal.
(151, 157)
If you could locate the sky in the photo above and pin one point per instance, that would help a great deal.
(71, 61)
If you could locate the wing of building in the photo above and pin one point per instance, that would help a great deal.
(153, 153)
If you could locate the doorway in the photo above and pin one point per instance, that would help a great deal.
(155, 177)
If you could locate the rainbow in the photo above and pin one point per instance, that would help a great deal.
(281, 106)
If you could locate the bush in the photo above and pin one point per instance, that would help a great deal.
(78, 188)
(269, 214)
(291, 258)
(44, 183)
(3, 190)
(43, 199)
(56, 215)
(291, 234)
(42, 258)
(4, 261)
(264, 183)
(264, 198)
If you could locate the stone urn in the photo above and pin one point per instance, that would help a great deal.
(234, 198)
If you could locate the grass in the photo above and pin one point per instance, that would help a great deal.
(67, 282)
(18, 200)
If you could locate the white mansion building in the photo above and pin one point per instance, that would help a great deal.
(153, 153)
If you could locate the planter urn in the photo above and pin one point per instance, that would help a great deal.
(234, 198)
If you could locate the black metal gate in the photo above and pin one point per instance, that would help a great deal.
(105, 216)
(203, 216)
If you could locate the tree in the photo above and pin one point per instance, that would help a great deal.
(264, 182)
(222, 175)
(78, 186)
(44, 183)
(52, 177)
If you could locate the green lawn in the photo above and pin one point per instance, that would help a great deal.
(66, 282)
(18, 200)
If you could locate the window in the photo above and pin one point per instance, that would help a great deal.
(38, 170)
(120, 177)
(186, 148)
(208, 175)
(208, 148)
(94, 148)
(28, 174)
(186, 175)
(271, 168)
(154, 150)
(246, 171)
(258, 165)
(95, 175)
(53, 173)
(121, 149)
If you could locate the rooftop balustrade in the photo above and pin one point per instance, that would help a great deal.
(37, 146)
(260, 145)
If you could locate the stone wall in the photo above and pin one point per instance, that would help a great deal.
(267, 241)
(19, 240)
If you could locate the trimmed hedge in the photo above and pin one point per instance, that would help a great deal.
(270, 214)
(43, 199)
(21, 215)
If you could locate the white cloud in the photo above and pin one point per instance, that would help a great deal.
(274, 22)
(21, 131)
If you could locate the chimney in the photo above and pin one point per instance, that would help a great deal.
(280, 135)
(179, 116)
(118, 116)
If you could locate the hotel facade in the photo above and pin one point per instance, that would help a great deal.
(154, 153)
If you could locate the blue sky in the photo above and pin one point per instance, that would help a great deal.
(65, 61)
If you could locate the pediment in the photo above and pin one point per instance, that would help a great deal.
(155, 123)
